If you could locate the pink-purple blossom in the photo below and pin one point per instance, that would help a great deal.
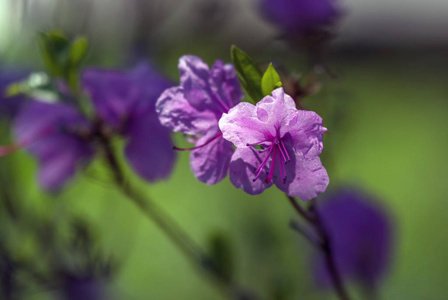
(276, 143)
(195, 107)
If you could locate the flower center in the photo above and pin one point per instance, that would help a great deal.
(277, 151)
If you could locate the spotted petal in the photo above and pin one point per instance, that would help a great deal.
(49, 131)
(242, 171)
(176, 113)
(305, 178)
(210, 163)
(242, 126)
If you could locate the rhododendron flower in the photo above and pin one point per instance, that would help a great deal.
(276, 143)
(195, 107)
(124, 104)
(56, 134)
(361, 238)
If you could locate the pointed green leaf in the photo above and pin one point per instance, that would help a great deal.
(270, 81)
(54, 46)
(248, 73)
(78, 50)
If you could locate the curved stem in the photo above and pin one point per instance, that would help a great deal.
(173, 230)
(313, 218)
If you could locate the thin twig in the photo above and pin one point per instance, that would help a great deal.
(173, 230)
(313, 218)
(309, 236)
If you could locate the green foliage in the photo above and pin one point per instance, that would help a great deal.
(37, 85)
(248, 73)
(62, 57)
(270, 81)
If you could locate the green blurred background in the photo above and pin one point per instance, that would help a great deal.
(386, 113)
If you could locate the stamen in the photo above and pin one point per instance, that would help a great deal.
(200, 146)
(264, 150)
(282, 169)
(8, 149)
(286, 152)
(259, 170)
(271, 170)
(282, 153)
(254, 144)
(280, 165)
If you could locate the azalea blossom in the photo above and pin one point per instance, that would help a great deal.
(276, 143)
(195, 107)
(62, 138)
(361, 238)
(56, 134)
(125, 104)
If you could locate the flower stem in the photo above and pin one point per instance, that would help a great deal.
(312, 216)
(173, 230)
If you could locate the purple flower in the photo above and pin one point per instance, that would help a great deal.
(53, 133)
(125, 103)
(361, 238)
(195, 107)
(288, 140)
(79, 288)
(299, 17)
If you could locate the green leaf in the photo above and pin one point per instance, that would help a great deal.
(78, 50)
(248, 73)
(54, 46)
(270, 81)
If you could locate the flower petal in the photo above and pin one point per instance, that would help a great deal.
(38, 120)
(305, 131)
(242, 171)
(149, 149)
(225, 84)
(111, 92)
(210, 163)
(59, 156)
(305, 178)
(194, 78)
(151, 83)
(241, 126)
(176, 113)
(279, 107)
(50, 132)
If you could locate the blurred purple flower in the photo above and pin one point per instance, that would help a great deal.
(76, 288)
(62, 138)
(300, 17)
(54, 134)
(10, 106)
(125, 102)
(361, 238)
(195, 107)
(286, 135)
